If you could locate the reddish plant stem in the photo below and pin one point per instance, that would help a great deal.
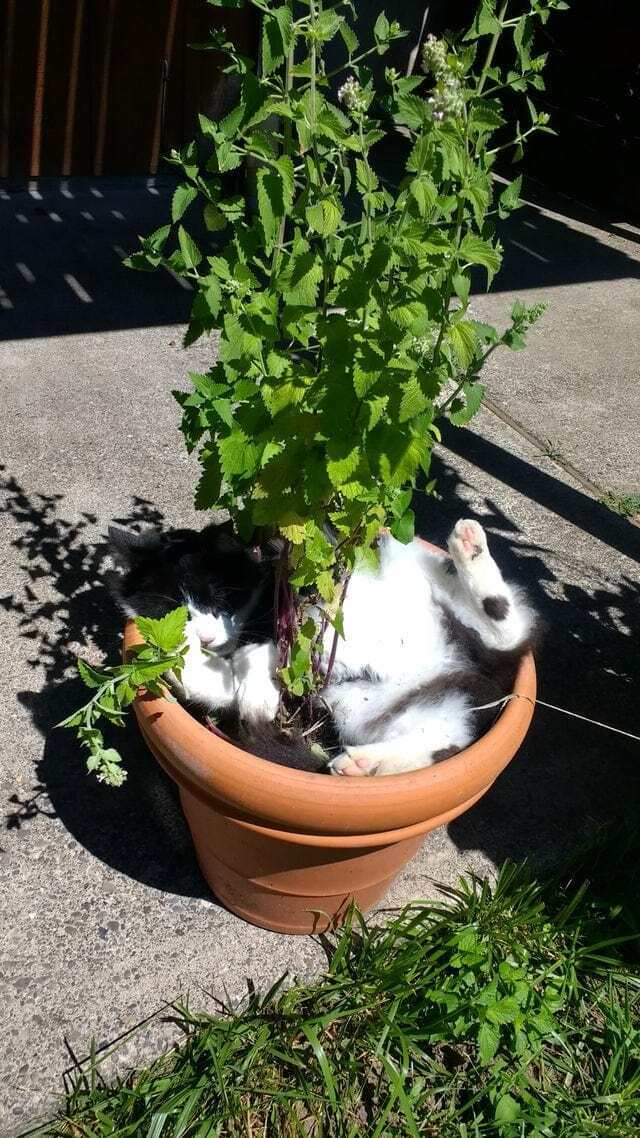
(334, 645)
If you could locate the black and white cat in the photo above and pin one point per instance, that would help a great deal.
(427, 640)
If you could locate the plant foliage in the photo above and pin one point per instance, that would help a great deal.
(115, 688)
(509, 1010)
(341, 301)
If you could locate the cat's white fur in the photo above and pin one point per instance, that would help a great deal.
(394, 631)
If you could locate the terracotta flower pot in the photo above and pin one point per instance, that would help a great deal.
(289, 850)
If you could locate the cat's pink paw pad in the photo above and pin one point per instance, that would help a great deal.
(351, 766)
(468, 540)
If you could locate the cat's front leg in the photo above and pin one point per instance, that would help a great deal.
(255, 667)
(206, 679)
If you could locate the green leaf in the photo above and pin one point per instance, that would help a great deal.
(485, 22)
(214, 218)
(462, 337)
(324, 217)
(381, 30)
(479, 252)
(413, 400)
(349, 37)
(190, 252)
(411, 111)
(510, 197)
(182, 198)
(277, 37)
(505, 1010)
(464, 412)
(488, 1041)
(300, 279)
(424, 193)
(404, 529)
(90, 676)
(461, 285)
(207, 494)
(486, 115)
(227, 157)
(167, 633)
(239, 456)
(507, 1109)
(343, 461)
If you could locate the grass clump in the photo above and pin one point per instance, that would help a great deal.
(627, 505)
(508, 1009)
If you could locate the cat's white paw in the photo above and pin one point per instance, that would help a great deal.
(468, 541)
(351, 765)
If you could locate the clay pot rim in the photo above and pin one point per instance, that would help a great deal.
(272, 794)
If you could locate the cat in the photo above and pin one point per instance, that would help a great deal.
(428, 640)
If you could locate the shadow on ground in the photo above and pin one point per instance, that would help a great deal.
(62, 244)
(137, 829)
(568, 778)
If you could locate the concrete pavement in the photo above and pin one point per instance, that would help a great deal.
(103, 912)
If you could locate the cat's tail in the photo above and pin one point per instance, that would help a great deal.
(267, 741)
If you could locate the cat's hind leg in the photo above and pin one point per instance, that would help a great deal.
(422, 734)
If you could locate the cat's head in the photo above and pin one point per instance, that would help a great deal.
(211, 572)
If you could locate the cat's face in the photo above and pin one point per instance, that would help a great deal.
(209, 572)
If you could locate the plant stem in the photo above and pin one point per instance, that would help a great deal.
(492, 46)
(286, 146)
(334, 644)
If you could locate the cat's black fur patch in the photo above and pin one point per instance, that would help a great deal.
(211, 569)
(496, 607)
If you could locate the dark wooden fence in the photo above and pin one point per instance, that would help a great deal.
(106, 86)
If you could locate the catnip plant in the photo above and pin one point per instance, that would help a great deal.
(340, 299)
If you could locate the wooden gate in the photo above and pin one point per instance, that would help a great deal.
(106, 86)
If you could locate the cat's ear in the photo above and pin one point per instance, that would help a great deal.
(128, 548)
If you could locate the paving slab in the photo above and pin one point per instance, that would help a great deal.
(583, 401)
(103, 912)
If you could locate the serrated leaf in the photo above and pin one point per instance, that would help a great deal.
(239, 456)
(183, 196)
(324, 217)
(89, 675)
(488, 1041)
(464, 412)
(190, 251)
(167, 633)
(209, 485)
(479, 252)
(462, 337)
(485, 22)
(505, 1010)
(486, 115)
(381, 29)
(349, 37)
(424, 193)
(277, 37)
(413, 400)
(411, 111)
(214, 218)
(300, 279)
(227, 157)
(343, 461)
(510, 197)
(404, 528)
